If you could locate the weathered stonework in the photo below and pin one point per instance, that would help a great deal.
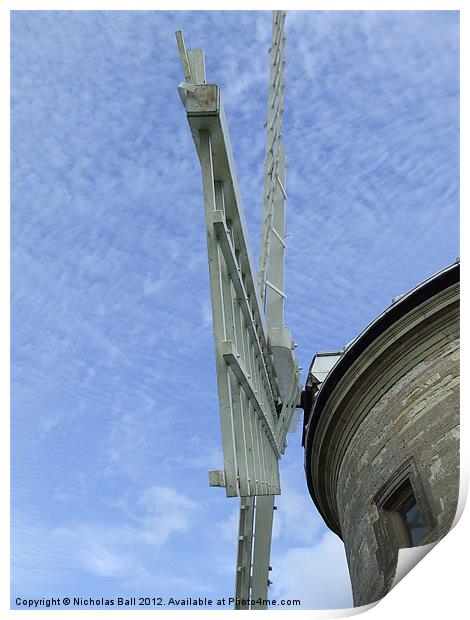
(388, 415)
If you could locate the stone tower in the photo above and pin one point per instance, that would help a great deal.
(381, 433)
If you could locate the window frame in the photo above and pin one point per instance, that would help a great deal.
(396, 509)
(392, 526)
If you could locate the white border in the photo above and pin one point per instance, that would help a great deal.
(434, 589)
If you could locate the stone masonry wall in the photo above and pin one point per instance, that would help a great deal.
(416, 423)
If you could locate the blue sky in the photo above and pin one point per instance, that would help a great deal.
(114, 401)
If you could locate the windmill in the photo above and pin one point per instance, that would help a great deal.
(257, 372)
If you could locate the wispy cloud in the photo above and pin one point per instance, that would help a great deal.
(114, 548)
(167, 511)
(315, 574)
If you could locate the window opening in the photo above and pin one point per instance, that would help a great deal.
(405, 515)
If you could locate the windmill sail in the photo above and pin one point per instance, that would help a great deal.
(247, 382)
(257, 374)
(273, 242)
